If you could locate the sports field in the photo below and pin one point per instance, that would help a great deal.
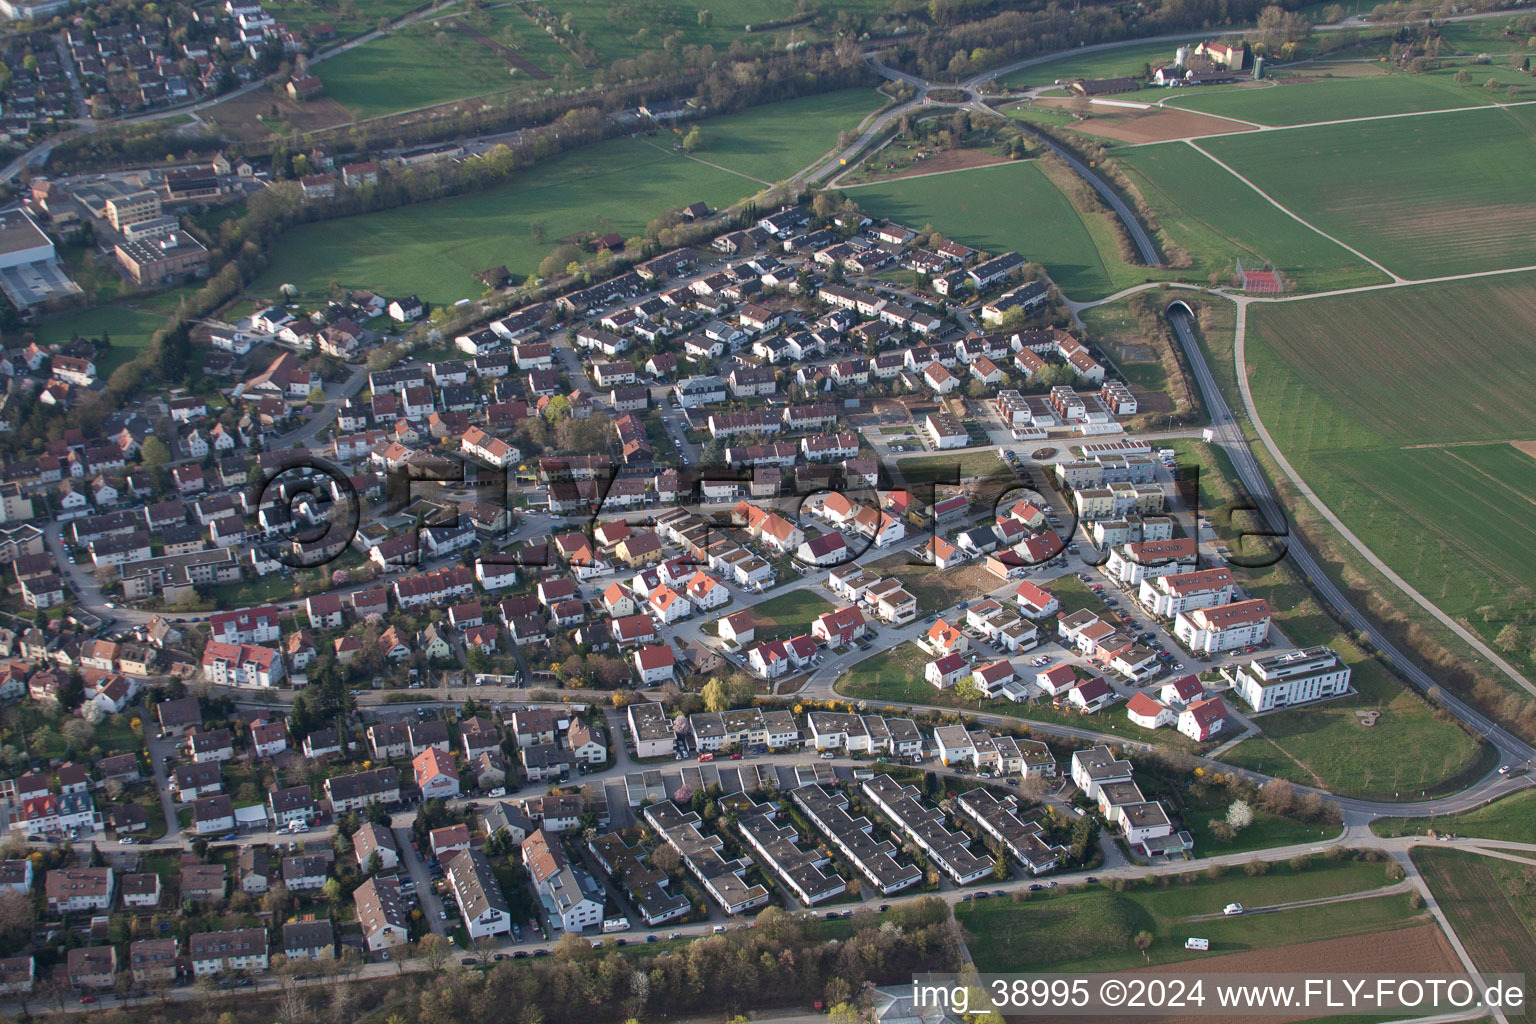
(1306, 100)
(1218, 220)
(1430, 195)
(434, 249)
(1490, 904)
(1008, 206)
(1398, 407)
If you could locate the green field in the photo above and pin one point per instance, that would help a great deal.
(1353, 390)
(434, 249)
(1121, 61)
(620, 30)
(1092, 928)
(1432, 195)
(1292, 102)
(1007, 207)
(1490, 904)
(1512, 818)
(128, 323)
(788, 614)
(1405, 753)
(435, 62)
(302, 15)
(1218, 220)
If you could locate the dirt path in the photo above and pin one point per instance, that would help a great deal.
(503, 51)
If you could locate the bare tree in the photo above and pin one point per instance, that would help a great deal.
(434, 950)
(292, 1006)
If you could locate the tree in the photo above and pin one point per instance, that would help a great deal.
(1463, 76)
(706, 19)
(692, 140)
(154, 452)
(967, 690)
(16, 918)
(1276, 796)
(1239, 815)
(1507, 641)
(665, 858)
(1143, 941)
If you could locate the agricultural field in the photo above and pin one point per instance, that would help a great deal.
(1382, 186)
(1352, 390)
(1512, 818)
(1010, 206)
(1305, 100)
(434, 249)
(1490, 904)
(1091, 928)
(1218, 220)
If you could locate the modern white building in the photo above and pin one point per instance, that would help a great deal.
(1290, 677)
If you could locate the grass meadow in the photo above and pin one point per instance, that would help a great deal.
(1511, 818)
(434, 62)
(1091, 928)
(434, 249)
(1123, 61)
(1012, 206)
(1426, 196)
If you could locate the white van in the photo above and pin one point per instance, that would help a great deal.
(1232, 909)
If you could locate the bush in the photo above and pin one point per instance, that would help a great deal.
(1256, 868)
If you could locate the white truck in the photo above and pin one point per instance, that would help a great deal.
(1232, 909)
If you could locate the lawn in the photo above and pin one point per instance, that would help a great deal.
(1092, 928)
(1380, 186)
(788, 614)
(1351, 390)
(1012, 206)
(1512, 818)
(1490, 904)
(942, 469)
(434, 249)
(1218, 220)
(128, 322)
(1407, 752)
(1308, 100)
